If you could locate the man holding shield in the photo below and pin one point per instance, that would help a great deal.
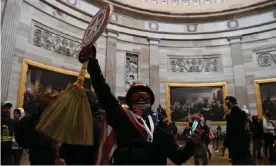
(139, 139)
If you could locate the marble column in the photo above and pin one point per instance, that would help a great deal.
(154, 78)
(110, 61)
(239, 72)
(8, 37)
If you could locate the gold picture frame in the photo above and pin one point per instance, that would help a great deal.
(258, 93)
(23, 78)
(223, 85)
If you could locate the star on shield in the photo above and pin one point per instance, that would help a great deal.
(95, 25)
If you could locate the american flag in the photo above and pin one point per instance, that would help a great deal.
(107, 144)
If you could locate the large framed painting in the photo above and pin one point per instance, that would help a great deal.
(266, 96)
(36, 77)
(185, 99)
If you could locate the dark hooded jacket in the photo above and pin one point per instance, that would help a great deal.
(80, 154)
(236, 134)
(41, 147)
(132, 148)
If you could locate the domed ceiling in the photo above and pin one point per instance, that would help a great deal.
(188, 10)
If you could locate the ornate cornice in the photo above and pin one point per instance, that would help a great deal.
(188, 17)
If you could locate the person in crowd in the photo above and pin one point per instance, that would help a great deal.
(248, 127)
(161, 112)
(42, 149)
(201, 149)
(257, 136)
(80, 154)
(226, 115)
(7, 132)
(206, 137)
(18, 114)
(139, 139)
(236, 134)
(269, 132)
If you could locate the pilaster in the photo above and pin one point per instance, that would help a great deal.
(154, 78)
(110, 62)
(8, 37)
(239, 72)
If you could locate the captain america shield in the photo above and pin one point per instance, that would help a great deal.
(97, 25)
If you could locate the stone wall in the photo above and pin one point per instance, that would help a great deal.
(235, 48)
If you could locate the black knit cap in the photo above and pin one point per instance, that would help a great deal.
(231, 99)
(138, 87)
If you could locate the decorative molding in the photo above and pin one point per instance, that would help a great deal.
(234, 39)
(192, 27)
(132, 69)
(175, 2)
(56, 43)
(232, 24)
(266, 59)
(114, 17)
(196, 2)
(164, 2)
(207, 2)
(153, 41)
(153, 26)
(185, 2)
(72, 2)
(188, 65)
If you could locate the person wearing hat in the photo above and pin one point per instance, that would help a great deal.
(7, 132)
(41, 148)
(201, 149)
(236, 134)
(269, 132)
(139, 139)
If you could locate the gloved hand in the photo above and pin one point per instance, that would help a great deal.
(87, 53)
(196, 137)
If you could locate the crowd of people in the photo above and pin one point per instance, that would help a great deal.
(141, 136)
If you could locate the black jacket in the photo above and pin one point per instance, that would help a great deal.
(236, 134)
(205, 135)
(41, 147)
(257, 129)
(7, 132)
(133, 149)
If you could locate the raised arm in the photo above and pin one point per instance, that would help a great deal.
(107, 100)
(165, 142)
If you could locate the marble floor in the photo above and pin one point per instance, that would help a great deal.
(216, 160)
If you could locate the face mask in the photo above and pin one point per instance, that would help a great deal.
(139, 109)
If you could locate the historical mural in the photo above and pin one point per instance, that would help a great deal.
(36, 78)
(268, 97)
(186, 100)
